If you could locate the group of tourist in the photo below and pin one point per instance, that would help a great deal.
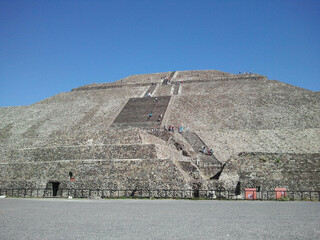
(159, 117)
(154, 129)
(169, 128)
(179, 76)
(245, 73)
(206, 151)
(181, 129)
(166, 81)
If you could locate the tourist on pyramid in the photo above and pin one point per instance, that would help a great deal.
(204, 150)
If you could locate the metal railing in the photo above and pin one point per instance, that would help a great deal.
(218, 194)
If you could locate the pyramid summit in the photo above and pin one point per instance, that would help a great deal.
(115, 136)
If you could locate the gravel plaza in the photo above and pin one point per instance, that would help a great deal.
(157, 219)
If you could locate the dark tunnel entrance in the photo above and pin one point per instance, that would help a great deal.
(55, 188)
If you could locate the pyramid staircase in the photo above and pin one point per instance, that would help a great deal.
(135, 113)
(172, 74)
(210, 166)
(151, 89)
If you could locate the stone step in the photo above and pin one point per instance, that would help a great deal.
(140, 125)
(150, 89)
(194, 140)
(208, 165)
(172, 74)
(136, 112)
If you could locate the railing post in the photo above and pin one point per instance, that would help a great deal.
(310, 195)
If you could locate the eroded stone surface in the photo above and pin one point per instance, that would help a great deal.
(270, 170)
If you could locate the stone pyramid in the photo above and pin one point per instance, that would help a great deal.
(262, 132)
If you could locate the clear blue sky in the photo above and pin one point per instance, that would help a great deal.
(48, 47)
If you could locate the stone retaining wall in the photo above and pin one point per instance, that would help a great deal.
(270, 170)
(79, 152)
(99, 174)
